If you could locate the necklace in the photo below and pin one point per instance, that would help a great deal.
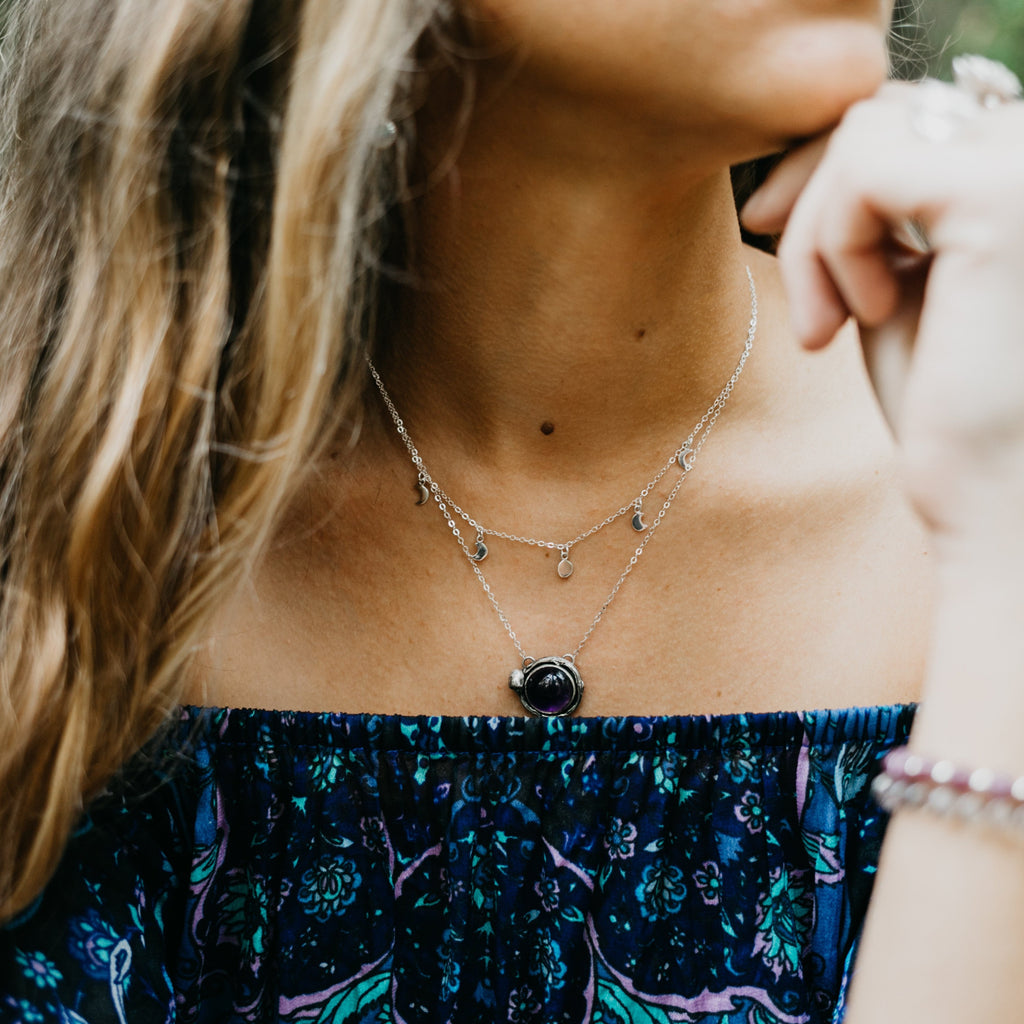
(552, 686)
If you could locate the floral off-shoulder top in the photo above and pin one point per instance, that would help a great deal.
(271, 866)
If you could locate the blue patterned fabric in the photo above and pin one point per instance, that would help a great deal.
(267, 866)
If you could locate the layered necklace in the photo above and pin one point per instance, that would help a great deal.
(552, 685)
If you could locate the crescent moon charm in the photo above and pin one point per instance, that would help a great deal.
(424, 494)
(638, 521)
(686, 459)
(481, 550)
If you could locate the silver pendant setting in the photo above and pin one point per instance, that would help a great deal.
(548, 687)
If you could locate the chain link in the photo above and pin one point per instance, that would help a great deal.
(687, 449)
(684, 456)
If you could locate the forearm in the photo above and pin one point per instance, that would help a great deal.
(945, 934)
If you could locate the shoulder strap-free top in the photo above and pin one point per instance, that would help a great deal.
(272, 866)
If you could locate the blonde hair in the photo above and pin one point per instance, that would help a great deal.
(192, 204)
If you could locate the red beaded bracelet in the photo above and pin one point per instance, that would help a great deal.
(909, 780)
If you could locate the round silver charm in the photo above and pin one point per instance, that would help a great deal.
(548, 687)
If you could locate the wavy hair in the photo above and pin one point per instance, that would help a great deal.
(192, 216)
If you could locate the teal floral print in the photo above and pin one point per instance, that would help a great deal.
(39, 970)
(783, 921)
(547, 889)
(708, 880)
(244, 910)
(523, 1006)
(451, 967)
(661, 891)
(373, 834)
(20, 1010)
(92, 942)
(328, 886)
(257, 867)
(750, 812)
(738, 758)
(619, 839)
(667, 771)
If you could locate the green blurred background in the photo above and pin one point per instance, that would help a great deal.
(929, 33)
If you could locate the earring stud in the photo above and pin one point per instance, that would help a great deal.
(386, 134)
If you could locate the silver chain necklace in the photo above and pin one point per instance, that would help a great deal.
(552, 686)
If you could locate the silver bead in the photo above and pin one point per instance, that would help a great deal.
(967, 806)
(941, 800)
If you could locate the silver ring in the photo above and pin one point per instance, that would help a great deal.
(942, 111)
(988, 82)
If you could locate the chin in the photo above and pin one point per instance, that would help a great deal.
(816, 79)
(796, 84)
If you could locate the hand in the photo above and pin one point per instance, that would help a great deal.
(944, 333)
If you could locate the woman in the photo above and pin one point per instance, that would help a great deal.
(210, 498)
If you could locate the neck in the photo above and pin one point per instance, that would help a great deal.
(578, 307)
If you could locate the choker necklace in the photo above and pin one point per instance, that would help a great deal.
(552, 686)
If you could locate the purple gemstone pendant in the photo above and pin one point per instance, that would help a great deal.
(551, 687)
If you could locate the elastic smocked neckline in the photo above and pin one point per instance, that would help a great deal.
(479, 734)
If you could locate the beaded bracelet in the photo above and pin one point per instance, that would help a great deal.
(908, 780)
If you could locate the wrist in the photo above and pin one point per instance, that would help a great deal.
(972, 707)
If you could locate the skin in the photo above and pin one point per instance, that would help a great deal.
(943, 940)
(744, 75)
(582, 269)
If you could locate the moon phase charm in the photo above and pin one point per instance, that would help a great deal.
(480, 553)
(686, 459)
(638, 521)
(548, 687)
(424, 493)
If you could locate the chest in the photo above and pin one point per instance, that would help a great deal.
(754, 608)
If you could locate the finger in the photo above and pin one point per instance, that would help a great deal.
(768, 209)
(887, 355)
(889, 348)
(856, 246)
(840, 253)
(817, 308)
